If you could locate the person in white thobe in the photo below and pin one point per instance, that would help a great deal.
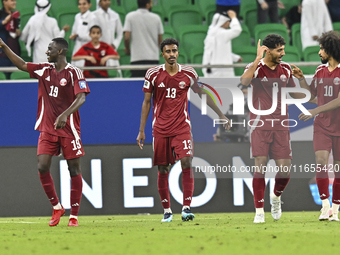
(81, 28)
(40, 30)
(217, 44)
(315, 20)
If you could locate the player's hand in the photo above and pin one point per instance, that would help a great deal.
(74, 36)
(304, 117)
(260, 49)
(227, 124)
(141, 139)
(103, 60)
(60, 122)
(91, 59)
(297, 72)
(264, 5)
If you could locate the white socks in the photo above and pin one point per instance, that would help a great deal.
(259, 211)
(57, 207)
(185, 207)
(167, 210)
(75, 217)
(325, 203)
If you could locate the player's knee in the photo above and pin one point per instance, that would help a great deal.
(43, 168)
(186, 162)
(74, 170)
(321, 160)
(163, 169)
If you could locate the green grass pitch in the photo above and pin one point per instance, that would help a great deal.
(222, 233)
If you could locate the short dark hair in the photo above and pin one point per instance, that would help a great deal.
(88, 1)
(273, 40)
(142, 3)
(330, 42)
(96, 26)
(61, 43)
(168, 41)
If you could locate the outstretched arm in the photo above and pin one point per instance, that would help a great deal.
(61, 120)
(296, 72)
(16, 60)
(335, 103)
(144, 116)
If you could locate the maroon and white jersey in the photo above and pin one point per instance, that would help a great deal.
(170, 100)
(57, 91)
(325, 86)
(263, 82)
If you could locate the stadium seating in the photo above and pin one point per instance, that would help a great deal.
(310, 53)
(248, 55)
(244, 39)
(180, 16)
(24, 53)
(20, 76)
(288, 5)
(209, 14)
(168, 32)
(292, 54)
(129, 5)
(296, 37)
(24, 19)
(196, 57)
(262, 30)
(168, 5)
(124, 60)
(207, 9)
(67, 18)
(245, 5)
(250, 18)
(2, 76)
(159, 11)
(191, 37)
(58, 9)
(336, 26)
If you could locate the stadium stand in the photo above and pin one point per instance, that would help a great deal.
(310, 54)
(182, 58)
(209, 14)
(129, 5)
(262, 30)
(336, 26)
(247, 5)
(169, 5)
(20, 76)
(192, 36)
(250, 18)
(244, 39)
(196, 57)
(248, 55)
(296, 37)
(292, 54)
(168, 32)
(288, 5)
(2, 76)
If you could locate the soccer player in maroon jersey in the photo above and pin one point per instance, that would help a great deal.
(95, 53)
(62, 90)
(325, 86)
(269, 134)
(168, 85)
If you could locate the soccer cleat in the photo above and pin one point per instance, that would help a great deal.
(56, 216)
(187, 215)
(276, 207)
(167, 217)
(259, 218)
(334, 217)
(326, 213)
(73, 222)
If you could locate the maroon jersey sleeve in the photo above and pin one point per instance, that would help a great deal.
(149, 75)
(31, 68)
(79, 82)
(291, 82)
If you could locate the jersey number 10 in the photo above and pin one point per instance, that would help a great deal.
(328, 91)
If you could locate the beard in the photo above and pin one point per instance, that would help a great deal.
(324, 61)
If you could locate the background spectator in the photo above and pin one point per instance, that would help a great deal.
(81, 28)
(292, 16)
(95, 53)
(112, 30)
(144, 30)
(40, 30)
(334, 9)
(9, 31)
(315, 20)
(268, 8)
(217, 44)
(225, 5)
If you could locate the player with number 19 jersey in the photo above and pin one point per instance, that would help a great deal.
(170, 100)
(57, 91)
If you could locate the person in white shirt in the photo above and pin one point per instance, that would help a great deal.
(217, 44)
(81, 28)
(40, 30)
(144, 31)
(111, 25)
(315, 20)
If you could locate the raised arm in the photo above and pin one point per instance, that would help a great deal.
(144, 116)
(296, 72)
(247, 76)
(16, 60)
(61, 120)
